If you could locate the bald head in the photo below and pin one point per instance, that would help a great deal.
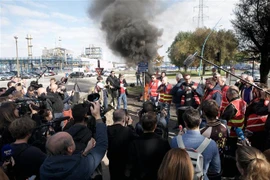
(60, 144)
(119, 115)
(41, 91)
(250, 80)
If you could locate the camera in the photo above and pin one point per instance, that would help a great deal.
(23, 105)
(36, 85)
(94, 97)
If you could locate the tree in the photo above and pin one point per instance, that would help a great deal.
(186, 43)
(252, 25)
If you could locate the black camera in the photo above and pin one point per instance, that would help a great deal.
(23, 105)
(36, 85)
(94, 97)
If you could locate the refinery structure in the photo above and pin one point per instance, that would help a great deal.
(57, 58)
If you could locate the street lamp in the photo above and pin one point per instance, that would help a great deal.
(205, 40)
(17, 58)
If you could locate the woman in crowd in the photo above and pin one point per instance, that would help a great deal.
(176, 165)
(8, 113)
(252, 164)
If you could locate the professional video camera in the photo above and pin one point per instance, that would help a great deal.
(24, 103)
(35, 85)
(40, 133)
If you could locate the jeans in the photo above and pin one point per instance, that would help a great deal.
(124, 98)
(139, 80)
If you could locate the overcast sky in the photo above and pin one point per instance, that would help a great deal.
(47, 20)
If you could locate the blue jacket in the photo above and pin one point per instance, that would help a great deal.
(76, 166)
(211, 159)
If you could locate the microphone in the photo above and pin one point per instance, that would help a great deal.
(241, 135)
(190, 59)
(7, 152)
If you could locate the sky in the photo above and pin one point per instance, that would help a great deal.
(47, 21)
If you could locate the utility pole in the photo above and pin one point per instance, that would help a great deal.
(17, 58)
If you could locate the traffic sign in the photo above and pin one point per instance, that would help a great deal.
(143, 67)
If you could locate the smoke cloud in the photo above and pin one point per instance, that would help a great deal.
(127, 28)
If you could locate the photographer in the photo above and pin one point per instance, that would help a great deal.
(61, 149)
(56, 96)
(80, 133)
(161, 114)
(67, 101)
(41, 92)
(30, 92)
(119, 138)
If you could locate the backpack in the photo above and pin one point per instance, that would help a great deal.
(195, 156)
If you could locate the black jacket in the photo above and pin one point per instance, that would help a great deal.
(57, 102)
(113, 81)
(146, 155)
(119, 138)
(81, 135)
(28, 160)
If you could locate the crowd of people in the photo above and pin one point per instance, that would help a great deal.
(223, 131)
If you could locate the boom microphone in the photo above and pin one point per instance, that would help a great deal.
(190, 59)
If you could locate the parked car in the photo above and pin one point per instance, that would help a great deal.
(25, 76)
(76, 75)
(90, 74)
(106, 73)
(3, 77)
(256, 74)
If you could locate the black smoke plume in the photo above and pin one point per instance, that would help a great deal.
(127, 28)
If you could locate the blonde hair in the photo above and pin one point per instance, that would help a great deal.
(176, 165)
(253, 163)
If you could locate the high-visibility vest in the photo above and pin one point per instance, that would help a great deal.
(153, 86)
(224, 102)
(209, 94)
(256, 123)
(195, 96)
(239, 117)
(165, 96)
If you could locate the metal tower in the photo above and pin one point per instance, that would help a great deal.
(29, 45)
(201, 15)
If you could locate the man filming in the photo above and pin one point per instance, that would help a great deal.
(63, 163)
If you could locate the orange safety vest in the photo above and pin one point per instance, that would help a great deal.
(239, 117)
(209, 95)
(153, 86)
(224, 101)
(195, 96)
(165, 96)
(255, 123)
